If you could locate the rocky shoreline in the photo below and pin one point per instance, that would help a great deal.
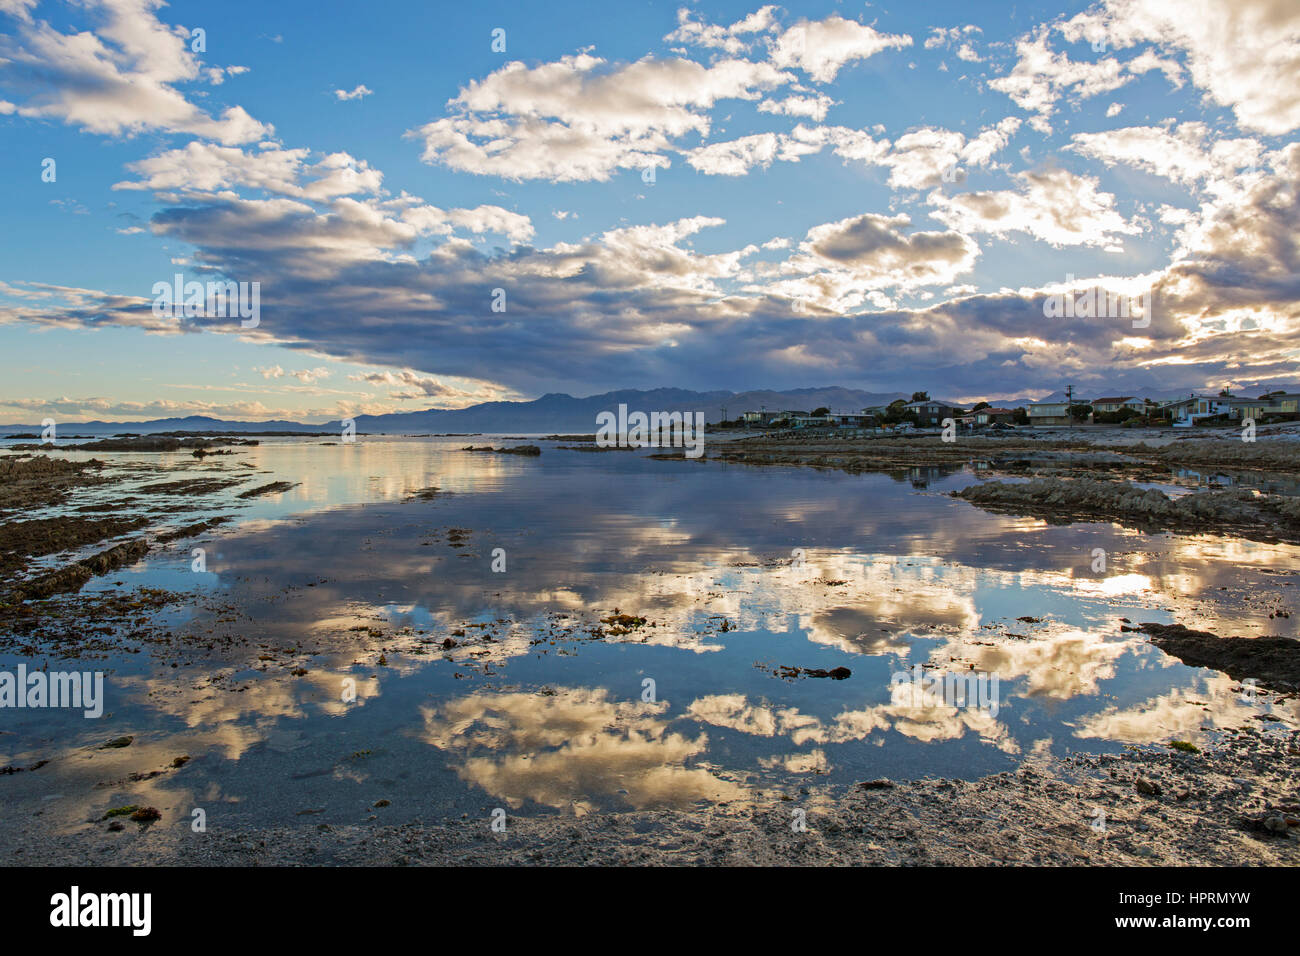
(1237, 803)
(31, 483)
(1241, 512)
(1066, 478)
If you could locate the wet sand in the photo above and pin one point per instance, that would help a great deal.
(1236, 804)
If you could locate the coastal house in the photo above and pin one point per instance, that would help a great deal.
(932, 412)
(1116, 403)
(1275, 403)
(990, 416)
(812, 421)
(1054, 410)
(852, 419)
(762, 419)
(1186, 412)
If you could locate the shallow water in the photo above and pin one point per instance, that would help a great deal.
(737, 570)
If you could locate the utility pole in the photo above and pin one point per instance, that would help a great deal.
(1069, 402)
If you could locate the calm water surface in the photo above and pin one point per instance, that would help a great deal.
(737, 570)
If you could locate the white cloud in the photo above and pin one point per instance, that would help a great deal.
(916, 160)
(307, 376)
(414, 385)
(581, 119)
(814, 107)
(119, 80)
(1055, 205)
(1244, 53)
(357, 92)
(728, 39)
(1184, 154)
(736, 157)
(821, 48)
(1042, 75)
(208, 168)
(946, 36)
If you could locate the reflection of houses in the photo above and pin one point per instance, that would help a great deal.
(931, 412)
(990, 416)
(1116, 403)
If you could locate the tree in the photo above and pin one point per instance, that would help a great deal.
(920, 396)
(1116, 417)
(981, 405)
(818, 412)
(1080, 412)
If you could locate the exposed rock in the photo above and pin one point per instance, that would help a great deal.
(1238, 511)
(515, 450)
(1146, 787)
(1272, 661)
(272, 488)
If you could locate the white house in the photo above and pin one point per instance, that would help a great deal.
(1186, 412)
(1053, 410)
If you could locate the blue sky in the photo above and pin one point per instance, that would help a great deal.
(866, 195)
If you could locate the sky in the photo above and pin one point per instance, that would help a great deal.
(444, 204)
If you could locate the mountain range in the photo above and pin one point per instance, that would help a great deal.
(558, 412)
(553, 412)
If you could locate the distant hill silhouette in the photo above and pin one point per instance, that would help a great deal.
(558, 412)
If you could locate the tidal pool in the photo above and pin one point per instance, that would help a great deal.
(483, 646)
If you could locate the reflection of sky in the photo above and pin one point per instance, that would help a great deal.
(546, 715)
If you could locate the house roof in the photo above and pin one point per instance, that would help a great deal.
(994, 411)
(1227, 399)
(1117, 400)
(934, 401)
